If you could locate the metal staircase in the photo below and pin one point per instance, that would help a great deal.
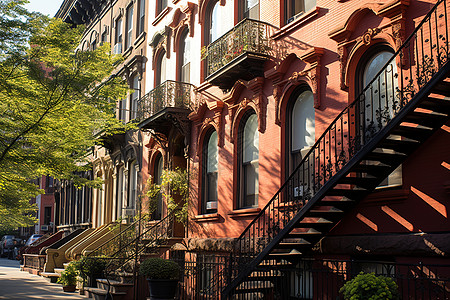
(395, 113)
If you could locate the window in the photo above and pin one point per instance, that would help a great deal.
(129, 26)
(94, 43)
(158, 170)
(161, 5)
(379, 98)
(104, 37)
(185, 53)
(118, 44)
(160, 75)
(47, 215)
(122, 110)
(213, 27)
(133, 174)
(301, 127)
(134, 97)
(248, 165)
(210, 168)
(141, 17)
(120, 192)
(250, 9)
(295, 8)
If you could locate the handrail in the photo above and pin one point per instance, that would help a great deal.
(422, 54)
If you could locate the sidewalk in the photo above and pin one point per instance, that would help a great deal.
(17, 285)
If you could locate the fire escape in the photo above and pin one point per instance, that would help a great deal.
(395, 113)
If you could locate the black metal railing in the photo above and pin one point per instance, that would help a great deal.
(247, 36)
(323, 278)
(203, 276)
(167, 94)
(421, 56)
(124, 237)
(124, 261)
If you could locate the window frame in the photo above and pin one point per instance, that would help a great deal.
(206, 175)
(159, 79)
(118, 36)
(184, 41)
(161, 5)
(129, 12)
(157, 214)
(289, 10)
(242, 167)
(141, 18)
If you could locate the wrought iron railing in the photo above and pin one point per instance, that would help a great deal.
(247, 36)
(167, 94)
(124, 260)
(112, 246)
(203, 276)
(421, 56)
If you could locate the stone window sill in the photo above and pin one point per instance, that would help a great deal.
(207, 218)
(139, 39)
(161, 15)
(245, 212)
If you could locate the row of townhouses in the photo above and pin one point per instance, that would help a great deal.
(314, 135)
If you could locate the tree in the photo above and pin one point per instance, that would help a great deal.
(53, 99)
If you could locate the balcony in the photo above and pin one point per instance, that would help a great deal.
(170, 101)
(238, 54)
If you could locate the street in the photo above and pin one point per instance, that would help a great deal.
(15, 285)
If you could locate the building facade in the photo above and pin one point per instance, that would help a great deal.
(275, 108)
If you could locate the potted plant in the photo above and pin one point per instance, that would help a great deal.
(68, 278)
(370, 286)
(91, 269)
(162, 277)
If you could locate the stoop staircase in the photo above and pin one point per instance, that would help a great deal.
(396, 113)
(123, 253)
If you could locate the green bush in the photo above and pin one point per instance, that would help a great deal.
(91, 266)
(69, 275)
(370, 287)
(158, 268)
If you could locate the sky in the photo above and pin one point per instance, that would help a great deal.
(46, 7)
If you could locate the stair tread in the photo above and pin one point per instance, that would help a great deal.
(99, 291)
(415, 133)
(431, 120)
(359, 181)
(371, 169)
(435, 104)
(385, 157)
(399, 145)
(442, 88)
(114, 282)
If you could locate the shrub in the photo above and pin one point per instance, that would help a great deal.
(91, 266)
(158, 268)
(370, 287)
(69, 275)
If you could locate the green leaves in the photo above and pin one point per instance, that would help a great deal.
(370, 287)
(53, 98)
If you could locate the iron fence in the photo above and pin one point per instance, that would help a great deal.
(247, 36)
(168, 94)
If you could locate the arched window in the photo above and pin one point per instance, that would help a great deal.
(157, 172)
(212, 24)
(248, 161)
(210, 167)
(185, 57)
(380, 99)
(301, 127)
(160, 70)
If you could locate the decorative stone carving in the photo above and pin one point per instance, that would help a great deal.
(179, 23)
(160, 42)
